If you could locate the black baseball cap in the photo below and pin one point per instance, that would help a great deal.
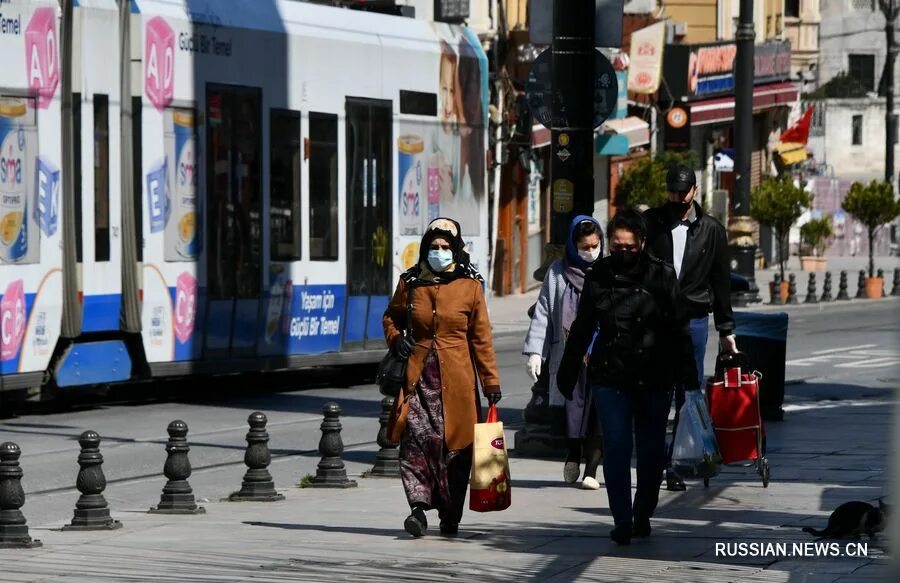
(680, 178)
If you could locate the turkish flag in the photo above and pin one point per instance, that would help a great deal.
(799, 132)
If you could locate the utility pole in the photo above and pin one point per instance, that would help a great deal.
(740, 227)
(890, 9)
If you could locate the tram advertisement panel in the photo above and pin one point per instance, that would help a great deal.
(441, 163)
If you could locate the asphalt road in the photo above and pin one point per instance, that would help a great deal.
(839, 352)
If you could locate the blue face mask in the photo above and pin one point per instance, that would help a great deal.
(439, 260)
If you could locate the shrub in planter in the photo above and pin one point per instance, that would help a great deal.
(873, 205)
(777, 202)
(815, 233)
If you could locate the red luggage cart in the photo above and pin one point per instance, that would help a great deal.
(733, 400)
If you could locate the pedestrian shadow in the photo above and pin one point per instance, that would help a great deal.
(391, 533)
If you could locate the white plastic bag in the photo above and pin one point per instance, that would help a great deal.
(696, 452)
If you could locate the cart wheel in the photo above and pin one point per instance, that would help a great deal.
(765, 473)
(706, 482)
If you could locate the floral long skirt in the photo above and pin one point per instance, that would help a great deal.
(432, 476)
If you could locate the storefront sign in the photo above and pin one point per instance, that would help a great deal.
(534, 198)
(677, 134)
(700, 71)
(454, 11)
(646, 58)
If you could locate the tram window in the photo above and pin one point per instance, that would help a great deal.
(285, 160)
(323, 179)
(101, 178)
(418, 103)
(76, 164)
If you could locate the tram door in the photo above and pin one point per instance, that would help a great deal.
(369, 188)
(233, 213)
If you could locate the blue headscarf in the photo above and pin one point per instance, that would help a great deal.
(572, 257)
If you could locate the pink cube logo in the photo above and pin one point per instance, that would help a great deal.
(185, 306)
(42, 55)
(12, 320)
(159, 59)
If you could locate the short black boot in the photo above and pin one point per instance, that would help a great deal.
(416, 523)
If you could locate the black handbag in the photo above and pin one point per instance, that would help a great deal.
(391, 375)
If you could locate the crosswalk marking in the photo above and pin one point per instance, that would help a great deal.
(859, 356)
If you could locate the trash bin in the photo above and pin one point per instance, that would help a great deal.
(763, 338)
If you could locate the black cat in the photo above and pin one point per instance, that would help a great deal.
(853, 519)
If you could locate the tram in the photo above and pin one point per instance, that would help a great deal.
(242, 183)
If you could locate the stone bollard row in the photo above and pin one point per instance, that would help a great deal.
(826, 289)
(843, 293)
(13, 527)
(177, 495)
(792, 289)
(811, 297)
(92, 509)
(258, 485)
(861, 285)
(776, 291)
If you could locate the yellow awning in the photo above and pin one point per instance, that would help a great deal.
(791, 153)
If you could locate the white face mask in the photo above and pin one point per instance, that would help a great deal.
(589, 256)
(439, 259)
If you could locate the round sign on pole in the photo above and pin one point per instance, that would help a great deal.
(539, 89)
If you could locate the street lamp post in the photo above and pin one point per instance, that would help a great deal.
(740, 227)
(890, 9)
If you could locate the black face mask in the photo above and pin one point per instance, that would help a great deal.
(678, 208)
(625, 261)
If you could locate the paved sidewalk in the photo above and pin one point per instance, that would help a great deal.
(552, 532)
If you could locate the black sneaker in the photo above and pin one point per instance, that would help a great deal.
(449, 529)
(621, 534)
(641, 528)
(416, 524)
(674, 483)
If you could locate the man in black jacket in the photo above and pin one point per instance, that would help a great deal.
(697, 246)
(642, 348)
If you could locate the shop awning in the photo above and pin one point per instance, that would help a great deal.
(614, 138)
(721, 110)
(634, 128)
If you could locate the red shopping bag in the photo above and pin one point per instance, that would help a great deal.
(489, 487)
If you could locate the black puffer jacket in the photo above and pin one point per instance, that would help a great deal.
(642, 339)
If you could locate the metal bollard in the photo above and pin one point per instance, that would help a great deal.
(13, 528)
(177, 496)
(895, 290)
(880, 275)
(826, 289)
(792, 289)
(811, 290)
(776, 291)
(331, 472)
(387, 460)
(843, 294)
(257, 485)
(861, 285)
(91, 510)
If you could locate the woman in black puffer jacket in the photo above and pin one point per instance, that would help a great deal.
(642, 349)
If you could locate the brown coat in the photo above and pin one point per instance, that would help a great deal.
(453, 316)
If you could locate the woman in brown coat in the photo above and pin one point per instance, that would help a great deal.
(449, 341)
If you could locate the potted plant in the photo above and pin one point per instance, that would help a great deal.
(874, 206)
(815, 233)
(778, 203)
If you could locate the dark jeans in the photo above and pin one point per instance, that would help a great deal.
(619, 412)
(699, 335)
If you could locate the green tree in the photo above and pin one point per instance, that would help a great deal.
(645, 181)
(874, 206)
(816, 233)
(776, 202)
